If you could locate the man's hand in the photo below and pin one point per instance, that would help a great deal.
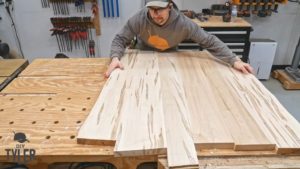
(114, 64)
(243, 67)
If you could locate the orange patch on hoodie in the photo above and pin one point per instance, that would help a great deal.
(158, 42)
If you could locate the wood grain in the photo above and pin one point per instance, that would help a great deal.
(208, 125)
(181, 150)
(142, 130)
(103, 122)
(67, 67)
(10, 66)
(273, 119)
(217, 21)
(48, 85)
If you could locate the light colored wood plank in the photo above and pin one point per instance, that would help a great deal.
(142, 130)
(2, 79)
(181, 150)
(217, 21)
(56, 103)
(67, 67)
(208, 127)
(244, 129)
(10, 66)
(251, 162)
(69, 85)
(286, 80)
(274, 120)
(102, 124)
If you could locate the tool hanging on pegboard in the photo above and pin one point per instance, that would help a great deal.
(74, 33)
(45, 4)
(261, 8)
(61, 7)
(110, 8)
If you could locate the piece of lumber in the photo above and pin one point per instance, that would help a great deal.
(67, 67)
(243, 162)
(9, 66)
(244, 129)
(142, 130)
(101, 126)
(217, 21)
(56, 84)
(285, 79)
(9, 69)
(274, 120)
(208, 125)
(181, 149)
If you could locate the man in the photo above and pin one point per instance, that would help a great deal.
(161, 27)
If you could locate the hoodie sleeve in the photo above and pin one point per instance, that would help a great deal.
(210, 42)
(124, 37)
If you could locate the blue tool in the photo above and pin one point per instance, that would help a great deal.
(112, 8)
(117, 6)
(104, 8)
(108, 10)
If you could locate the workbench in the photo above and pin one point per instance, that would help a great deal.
(234, 34)
(9, 69)
(51, 98)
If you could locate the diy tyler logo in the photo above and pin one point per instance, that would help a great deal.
(19, 152)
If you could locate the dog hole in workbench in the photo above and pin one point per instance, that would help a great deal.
(1, 109)
(72, 137)
(49, 98)
(69, 98)
(63, 109)
(11, 122)
(11, 99)
(21, 109)
(78, 122)
(48, 137)
(83, 109)
(0, 137)
(88, 98)
(56, 122)
(42, 109)
(33, 122)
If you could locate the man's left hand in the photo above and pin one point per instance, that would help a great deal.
(243, 67)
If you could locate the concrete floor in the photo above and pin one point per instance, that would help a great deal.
(290, 99)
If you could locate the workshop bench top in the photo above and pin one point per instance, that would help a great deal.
(217, 21)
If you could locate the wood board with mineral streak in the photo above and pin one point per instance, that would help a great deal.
(142, 130)
(181, 149)
(273, 119)
(129, 102)
(208, 126)
(246, 134)
(100, 127)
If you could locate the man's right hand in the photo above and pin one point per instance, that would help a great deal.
(114, 64)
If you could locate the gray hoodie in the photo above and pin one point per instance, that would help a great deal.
(175, 30)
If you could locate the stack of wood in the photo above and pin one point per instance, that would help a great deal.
(179, 103)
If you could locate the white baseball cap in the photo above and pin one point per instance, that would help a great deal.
(157, 3)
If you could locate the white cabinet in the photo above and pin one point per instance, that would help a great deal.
(261, 56)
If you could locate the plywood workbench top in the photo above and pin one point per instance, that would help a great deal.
(217, 21)
(9, 69)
